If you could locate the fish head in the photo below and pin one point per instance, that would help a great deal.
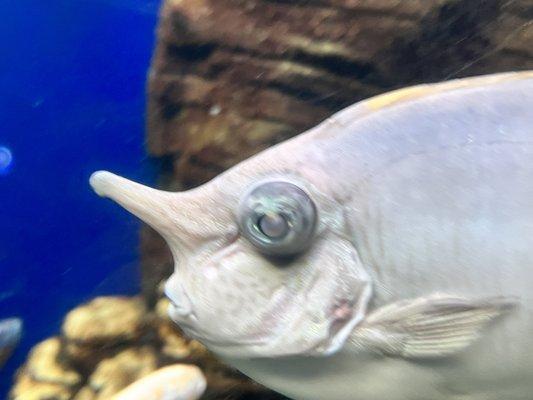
(264, 264)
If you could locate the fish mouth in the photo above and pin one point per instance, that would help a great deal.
(180, 309)
(188, 321)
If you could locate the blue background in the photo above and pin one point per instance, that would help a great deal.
(72, 100)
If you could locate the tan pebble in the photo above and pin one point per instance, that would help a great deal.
(45, 365)
(175, 382)
(199, 351)
(105, 319)
(174, 344)
(86, 393)
(26, 388)
(161, 309)
(115, 373)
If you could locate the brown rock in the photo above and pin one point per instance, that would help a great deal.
(105, 319)
(86, 357)
(161, 309)
(115, 373)
(45, 364)
(86, 393)
(102, 327)
(26, 388)
(174, 346)
(46, 375)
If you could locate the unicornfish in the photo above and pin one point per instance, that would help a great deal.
(386, 253)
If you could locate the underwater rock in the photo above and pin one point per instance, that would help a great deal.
(45, 364)
(106, 319)
(86, 393)
(101, 326)
(175, 382)
(115, 373)
(28, 389)
(174, 346)
(46, 374)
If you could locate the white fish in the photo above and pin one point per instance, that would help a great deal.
(385, 254)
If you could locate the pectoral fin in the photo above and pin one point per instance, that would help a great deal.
(428, 327)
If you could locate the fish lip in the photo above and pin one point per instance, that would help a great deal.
(180, 310)
(185, 315)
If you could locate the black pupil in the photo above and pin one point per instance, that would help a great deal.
(274, 226)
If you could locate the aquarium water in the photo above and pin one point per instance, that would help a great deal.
(72, 100)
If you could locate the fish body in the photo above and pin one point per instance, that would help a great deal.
(10, 333)
(414, 281)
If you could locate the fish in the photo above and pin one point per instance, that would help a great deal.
(386, 253)
(10, 334)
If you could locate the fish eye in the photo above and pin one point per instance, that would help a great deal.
(278, 218)
(274, 226)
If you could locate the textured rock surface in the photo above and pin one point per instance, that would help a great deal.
(111, 342)
(27, 388)
(101, 327)
(232, 77)
(46, 374)
(45, 365)
(105, 319)
(115, 373)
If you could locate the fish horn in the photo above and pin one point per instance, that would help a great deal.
(155, 207)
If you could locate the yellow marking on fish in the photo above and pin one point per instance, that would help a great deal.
(415, 92)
